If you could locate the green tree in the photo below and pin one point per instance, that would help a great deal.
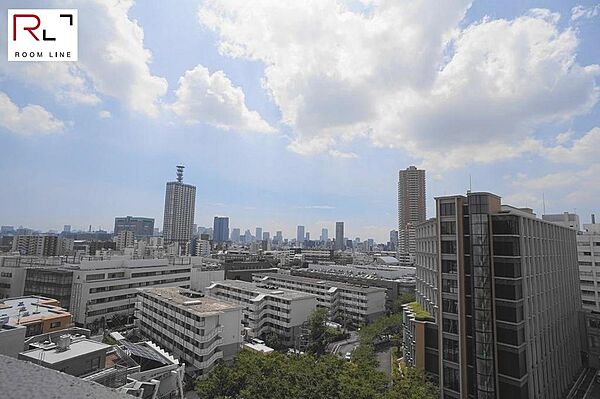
(317, 337)
(411, 383)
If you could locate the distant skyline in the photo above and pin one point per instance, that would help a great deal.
(504, 92)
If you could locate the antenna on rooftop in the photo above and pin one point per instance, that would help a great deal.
(180, 173)
(470, 183)
(544, 203)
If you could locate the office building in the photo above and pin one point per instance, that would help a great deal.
(7, 230)
(266, 236)
(125, 239)
(508, 296)
(393, 240)
(50, 281)
(565, 219)
(411, 207)
(324, 235)
(67, 228)
(340, 244)
(300, 235)
(307, 238)
(235, 235)
(278, 237)
(198, 329)
(258, 235)
(221, 229)
(141, 227)
(267, 309)
(344, 302)
(104, 289)
(180, 203)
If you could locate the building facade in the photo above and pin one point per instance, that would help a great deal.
(508, 316)
(340, 245)
(221, 229)
(197, 329)
(103, 289)
(411, 207)
(180, 203)
(267, 309)
(354, 304)
(42, 245)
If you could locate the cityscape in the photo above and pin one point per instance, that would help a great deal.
(325, 199)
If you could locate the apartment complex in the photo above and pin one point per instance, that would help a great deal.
(180, 204)
(198, 329)
(345, 302)
(426, 266)
(42, 245)
(266, 308)
(340, 244)
(411, 207)
(508, 287)
(105, 288)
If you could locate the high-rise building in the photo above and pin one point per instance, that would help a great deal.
(221, 229)
(42, 245)
(258, 235)
(278, 237)
(235, 235)
(411, 207)
(497, 313)
(307, 237)
(266, 236)
(324, 235)
(180, 203)
(340, 244)
(141, 227)
(300, 235)
(67, 228)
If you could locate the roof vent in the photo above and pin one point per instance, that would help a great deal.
(64, 342)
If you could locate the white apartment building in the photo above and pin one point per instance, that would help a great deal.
(197, 329)
(354, 303)
(267, 310)
(105, 288)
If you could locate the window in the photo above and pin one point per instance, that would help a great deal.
(448, 227)
(448, 247)
(450, 326)
(448, 266)
(450, 305)
(451, 379)
(55, 324)
(450, 349)
(450, 286)
(447, 209)
(92, 277)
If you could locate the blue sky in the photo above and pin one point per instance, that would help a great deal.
(286, 114)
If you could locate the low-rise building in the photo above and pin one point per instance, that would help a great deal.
(196, 328)
(267, 309)
(103, 289)
(353, 303)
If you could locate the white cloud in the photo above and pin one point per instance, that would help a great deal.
(213, 99)
(578, 12)
(112, 59)
(407, 75)
(28, 120)
(342, 154)
(584, 150)
(104, 114)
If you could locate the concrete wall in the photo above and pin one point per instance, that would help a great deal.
(200, 279)
(12, 340)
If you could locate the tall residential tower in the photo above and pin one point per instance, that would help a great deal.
(180, 203)
(411, 208)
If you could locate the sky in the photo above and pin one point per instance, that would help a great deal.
(293, 113)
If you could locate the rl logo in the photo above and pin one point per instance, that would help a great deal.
(42, 35)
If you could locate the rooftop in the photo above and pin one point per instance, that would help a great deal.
(29, 309)
(259, 289)
(316, 281)
(50, 355)
(22, 379)
(189, 300)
